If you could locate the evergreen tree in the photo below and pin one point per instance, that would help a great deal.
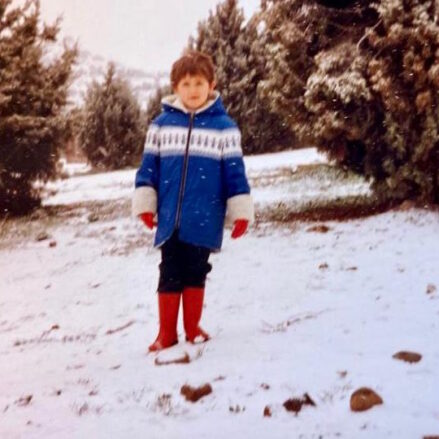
(113, 133)
(262, 130)
(217, 36)
(369, 94)
(236, 50)
(33, 93)
(154, 106)
(295, 32)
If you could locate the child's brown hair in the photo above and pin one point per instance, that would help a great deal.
(192, 62)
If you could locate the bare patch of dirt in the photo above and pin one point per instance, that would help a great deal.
(342, 209)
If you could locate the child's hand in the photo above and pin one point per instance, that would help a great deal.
(148, 219)
(239, 228)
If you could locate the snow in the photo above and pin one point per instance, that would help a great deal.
(281, 324)
(119, 184)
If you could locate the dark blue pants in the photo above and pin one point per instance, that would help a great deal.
(183, 265)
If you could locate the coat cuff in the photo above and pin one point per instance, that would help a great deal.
(144, 200)
(240, 207)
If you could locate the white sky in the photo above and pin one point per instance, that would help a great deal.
(147, 34)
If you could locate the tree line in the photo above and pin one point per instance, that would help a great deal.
(357, 79)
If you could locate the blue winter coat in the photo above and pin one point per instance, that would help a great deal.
(193, 163)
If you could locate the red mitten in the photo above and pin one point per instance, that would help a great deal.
(239, 228)
(148, 219)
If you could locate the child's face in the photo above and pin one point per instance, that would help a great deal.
(194, 91)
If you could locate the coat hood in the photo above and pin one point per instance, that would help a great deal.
(214, 105)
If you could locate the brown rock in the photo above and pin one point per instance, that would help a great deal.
(295, 404)
(52, 244)
(363, 399)
(193, 394)
(267, 411)
(321, 228)
(409, 357)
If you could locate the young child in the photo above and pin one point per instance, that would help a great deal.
(192, 175)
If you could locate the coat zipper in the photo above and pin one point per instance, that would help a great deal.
(184, 173)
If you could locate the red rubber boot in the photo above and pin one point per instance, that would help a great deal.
(192, 308)
(169, 304)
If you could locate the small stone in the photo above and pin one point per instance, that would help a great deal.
(342, 373)
(193, 394)
(52, 244)
(236, 409)
(42, 236)
(295, 404)
(409, 357)
(431, 288)
(267, 412)
(220, 378)
(323, 266)
(93, 217)
(321, 228)
(364, 399)
(24, 400)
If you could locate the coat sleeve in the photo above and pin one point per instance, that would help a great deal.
(147, 177)
(239, 200)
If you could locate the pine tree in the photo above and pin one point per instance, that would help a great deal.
(33, 93)
(237, 53)
(217, 36)
(113, 131)
(262, 130)
(295, 32)
(154, 106)
(366, 92)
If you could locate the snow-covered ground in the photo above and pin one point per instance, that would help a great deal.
(290, 311)
(119, 184)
